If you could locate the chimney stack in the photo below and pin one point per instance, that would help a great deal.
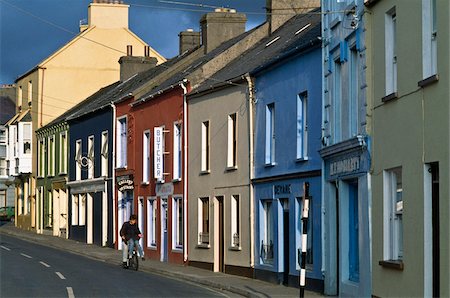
(130, 65)
(221, 25)
(279, 11)
(189, 40)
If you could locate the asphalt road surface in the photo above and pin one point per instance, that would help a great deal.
(31, 270)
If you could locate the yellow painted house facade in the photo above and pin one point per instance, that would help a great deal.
(81, 67)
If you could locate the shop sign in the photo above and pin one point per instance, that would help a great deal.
(125, 183)
(345, 166)
(158, 156)
(281, 189)
(164, 190)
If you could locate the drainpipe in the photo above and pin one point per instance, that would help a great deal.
(251, 100)
(185, 176)
(42, 94)
(113, 182)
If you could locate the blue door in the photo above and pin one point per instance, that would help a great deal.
(353, 223)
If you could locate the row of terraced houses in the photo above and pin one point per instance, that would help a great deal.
(215, 148)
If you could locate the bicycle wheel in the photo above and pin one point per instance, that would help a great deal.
(134, 262)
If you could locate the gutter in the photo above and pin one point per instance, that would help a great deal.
(185, 176)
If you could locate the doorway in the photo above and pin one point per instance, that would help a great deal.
(285, 205)
(164, 244)
(219, 252)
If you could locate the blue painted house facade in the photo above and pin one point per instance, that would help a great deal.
(287, 134)
(345, 151)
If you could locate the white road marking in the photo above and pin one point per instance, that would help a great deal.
(26, 256)
(45, 264)
(70, 292)
(60, 275)
(5, 248)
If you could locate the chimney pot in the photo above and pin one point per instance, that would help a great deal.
(129, 50)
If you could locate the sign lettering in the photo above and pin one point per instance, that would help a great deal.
(158, 155)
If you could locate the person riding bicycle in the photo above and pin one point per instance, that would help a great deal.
(130, 235)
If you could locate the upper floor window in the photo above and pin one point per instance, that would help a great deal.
(78, 155)
(19, 98)
(63, 152)
(429, 38)
(122, 136)
(146, 157)
(302, 126)
(391, 51)
(337, 102)
(51, 156)
(30, 92)
(354, 92)
(41, 154)
(205, 147)
(177, 146)
(3, 137)
(393, 214)
(91, 157)
(104, 154)
(27, 138)
(232, 141)
(270, 134)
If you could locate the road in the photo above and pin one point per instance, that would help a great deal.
(31, 270)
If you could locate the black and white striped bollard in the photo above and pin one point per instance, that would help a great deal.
(305, 213)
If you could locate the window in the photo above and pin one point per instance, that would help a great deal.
(302, 126)
(266, 252)
(151, 222)
(78, 155)
(146, 157)
(337, 101)
(3, 137)
(82, 212)
(429, 38)
(177, 144)
(51, 156)
(232, 141)
(41, 167)
(30, 92)
(75, 210)
(391, 51)
(63, 153)
(104, 154)
(2, 167)
(270, 134)
(235, 221)
(205, 147)
(203, 221)
(91, 157)
(19, 98)
(122, 142)
(354, 93)
(393, 213)
(177, 225)
(27, 138)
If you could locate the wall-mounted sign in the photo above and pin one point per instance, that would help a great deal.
(125, 183)
(158, 154)
(341, 166)
(345, 166)
(281, 189)
(164, 190)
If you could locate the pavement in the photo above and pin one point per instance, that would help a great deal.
(243, 286)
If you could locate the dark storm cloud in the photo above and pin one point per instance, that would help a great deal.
(26, 40)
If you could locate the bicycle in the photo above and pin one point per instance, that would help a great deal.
(133, 260)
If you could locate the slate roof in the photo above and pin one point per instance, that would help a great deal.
(298, 34)
(178, 77)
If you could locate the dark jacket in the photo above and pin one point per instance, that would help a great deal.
(130, 231)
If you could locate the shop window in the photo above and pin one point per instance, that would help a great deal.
(203, 221)
(266, 250)
(177, 223)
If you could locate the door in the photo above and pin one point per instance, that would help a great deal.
(164, 244)
(219, 243)
(285, 204)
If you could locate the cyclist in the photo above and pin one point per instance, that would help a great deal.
(130, 235)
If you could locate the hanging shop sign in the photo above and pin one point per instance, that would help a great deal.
(125, 183)
(159, 151)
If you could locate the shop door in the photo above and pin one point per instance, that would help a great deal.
(285, 203)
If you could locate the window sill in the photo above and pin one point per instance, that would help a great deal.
(269, 165)
(152, 247)
(176, 180)
(231, 169)
(62, 173)
(177, 249)
(207, 172)
(302, 159)
(235, 248)
(390, 97)
(392, 264)
(145, 183)
(428, 81)
(203, 246)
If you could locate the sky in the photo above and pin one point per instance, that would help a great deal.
(31, 30)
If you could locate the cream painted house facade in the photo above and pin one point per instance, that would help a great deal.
(409, 69)
(85, 64)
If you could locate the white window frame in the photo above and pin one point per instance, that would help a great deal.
(146, 156)
(429, 38)
(232, 141)
(337, 101)
(393, 214)
(41, 152)
(19, 97)
(270, 134)
(78, 156)
(391, 51)
(205, 146)
(27, 138)
(82, 201)
(104, 154)
(75, 210)
(91, 157)
(354, 92)
(302, 126)
(203, 239)
(267, 234)
(177, 230)
(235, 221)
(30, 92)
(51, 155)
(63, 152)
(152, 212)
(122, 141)
(177, 151)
